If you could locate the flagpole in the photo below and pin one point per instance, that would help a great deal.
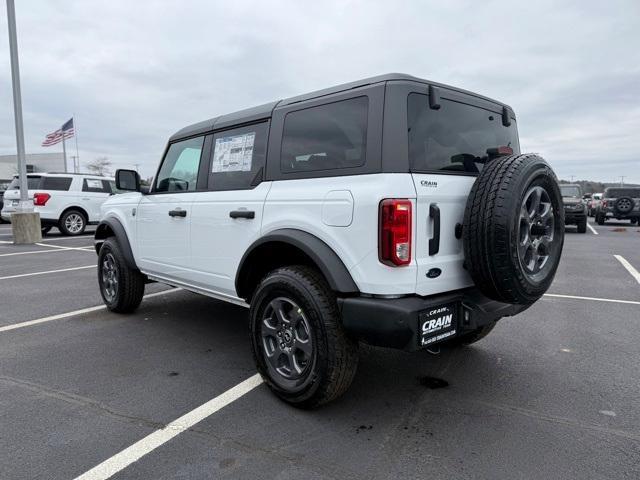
(75, 134)
(64, 151)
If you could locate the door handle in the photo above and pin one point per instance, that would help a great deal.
(434, 242)
(177, 213)
(242, 214)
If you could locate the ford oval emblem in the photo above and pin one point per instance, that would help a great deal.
(434, 272)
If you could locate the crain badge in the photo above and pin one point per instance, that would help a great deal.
(429, 183)
(437, 324)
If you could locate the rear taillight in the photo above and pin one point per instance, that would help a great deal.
(604, 203)
(40, 199)
(394, 247)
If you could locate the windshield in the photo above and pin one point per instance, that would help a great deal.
(569, 191)
(622, 192)
(32, 183)
(455, 137)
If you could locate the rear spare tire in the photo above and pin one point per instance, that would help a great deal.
(513, 229)
(623, 205)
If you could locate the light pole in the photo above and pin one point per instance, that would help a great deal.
(25, 223)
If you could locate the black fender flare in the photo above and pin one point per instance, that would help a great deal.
(111, 227)
(327, 261)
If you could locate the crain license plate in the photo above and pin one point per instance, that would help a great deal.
(438, 324)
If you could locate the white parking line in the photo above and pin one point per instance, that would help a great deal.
(29, 252)
(48, 271)
(593, 230)
(52, 248)
(631, 302)
(55, 239)
(88, 248)
(60, 316)
(158, 438)
(634, 273)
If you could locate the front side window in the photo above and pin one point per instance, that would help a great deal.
(237, 157)
(179, 171)
(455, 137)
(96, 185)
(326, 137)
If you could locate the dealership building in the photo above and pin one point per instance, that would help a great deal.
(36, 162)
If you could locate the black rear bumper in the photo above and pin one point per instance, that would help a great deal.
(395, 323)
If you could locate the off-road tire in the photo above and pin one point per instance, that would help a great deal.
(130, 282)
(64, 228)
(471, 337)
(624, 205)
(492, 222)
(582, 226)
(335, 356)
(600, 218)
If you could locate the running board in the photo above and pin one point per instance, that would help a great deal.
(202, 291)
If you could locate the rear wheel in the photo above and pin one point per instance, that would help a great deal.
(600, 219)
(121, 286)
(72, 222)
(513, 229)
(582, 226)
(46, 230)
(299, 345)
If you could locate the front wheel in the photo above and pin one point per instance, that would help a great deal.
(600, 219)
(299, 345)
(121, 286)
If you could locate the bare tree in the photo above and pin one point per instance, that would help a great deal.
(100, 166)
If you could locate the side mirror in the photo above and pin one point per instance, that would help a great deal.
(127, 180)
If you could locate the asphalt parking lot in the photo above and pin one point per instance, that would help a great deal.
(551, 393)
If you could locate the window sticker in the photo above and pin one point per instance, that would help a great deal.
(94, 184)
(233, 154)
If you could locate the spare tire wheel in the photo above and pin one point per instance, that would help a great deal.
(624, 205)
(513, 229)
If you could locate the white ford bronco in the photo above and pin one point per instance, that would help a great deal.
(392, 211)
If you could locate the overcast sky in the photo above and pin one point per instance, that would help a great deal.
(134, 72)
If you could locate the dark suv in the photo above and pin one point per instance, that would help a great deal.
(620, 203)
(575, 210)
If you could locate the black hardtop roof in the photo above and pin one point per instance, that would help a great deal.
(265, 111)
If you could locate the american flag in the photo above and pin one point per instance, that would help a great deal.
(56, 137)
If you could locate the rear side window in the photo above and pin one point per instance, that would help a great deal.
(179, 171)
(455, 137)
(237, 157)
(622, 192)
(55, 183)
(96, 185)
(32, 183)
(326, 137)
